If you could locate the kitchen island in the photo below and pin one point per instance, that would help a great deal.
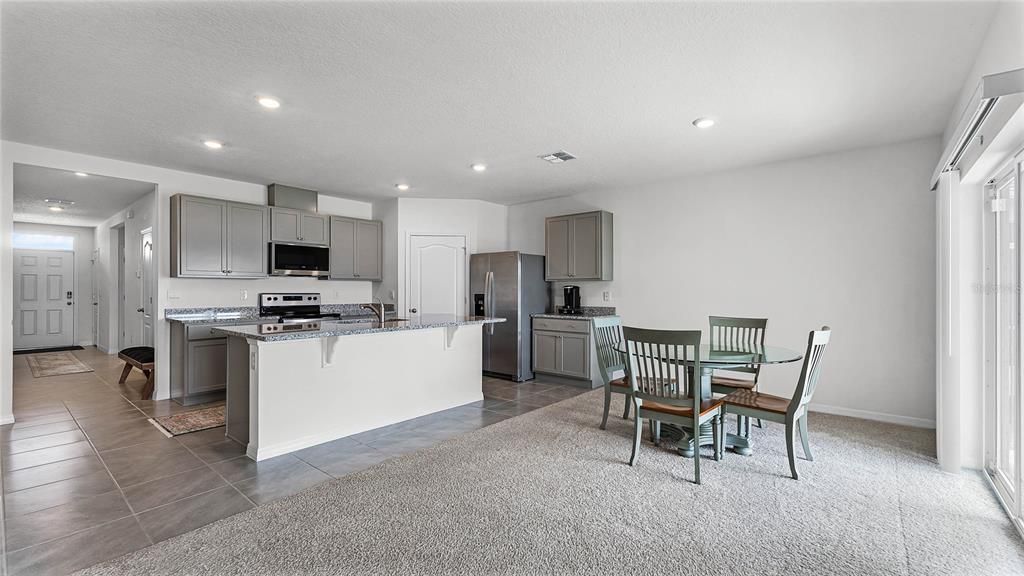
(303, 386)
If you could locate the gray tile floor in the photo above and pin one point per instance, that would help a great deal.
(87, 478)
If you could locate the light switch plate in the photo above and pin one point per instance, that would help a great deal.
(244, 294)
(606, 295)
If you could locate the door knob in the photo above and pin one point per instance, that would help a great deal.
(413, 310)
(141, 310)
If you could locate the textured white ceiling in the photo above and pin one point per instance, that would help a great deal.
(96, 197)
(377, 93)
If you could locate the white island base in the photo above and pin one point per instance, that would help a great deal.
(285, 395)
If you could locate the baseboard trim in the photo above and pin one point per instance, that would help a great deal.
(870, 415)
(6, 419)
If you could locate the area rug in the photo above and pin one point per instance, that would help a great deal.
(550, 493)
(55, 364)
(186, 422)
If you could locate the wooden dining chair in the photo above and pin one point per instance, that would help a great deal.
(661, 367)
(737, 333)
(612, 364)
(789, 411)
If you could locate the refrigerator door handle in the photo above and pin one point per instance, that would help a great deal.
(489, 299)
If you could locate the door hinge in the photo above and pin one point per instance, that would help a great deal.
(997, 205)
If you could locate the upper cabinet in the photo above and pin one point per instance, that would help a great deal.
(578, 247)
(356, 249)
(215, 239)
(290, 225)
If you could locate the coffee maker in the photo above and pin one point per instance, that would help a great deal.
(571, 300)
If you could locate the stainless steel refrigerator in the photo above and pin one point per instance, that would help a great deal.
(508, 285)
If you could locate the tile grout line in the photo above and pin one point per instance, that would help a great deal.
(215, 471)
(70, 534)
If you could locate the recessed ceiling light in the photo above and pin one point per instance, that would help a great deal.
(479, 167)
(704, 122)
(57, 208)
(402, 187)
(81, 174)
(268, 102)
(213, 144)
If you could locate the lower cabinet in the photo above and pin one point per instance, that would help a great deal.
(563, 348)
(198, 364)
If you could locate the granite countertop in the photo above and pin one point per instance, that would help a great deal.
(587, 312)
(230, 315)
(330, 328)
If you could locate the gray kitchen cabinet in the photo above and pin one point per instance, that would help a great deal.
(290, 225)
(369, 252)
(198, 366)
(356, 249)
(578, 247)
(213, 238)
(198, 229)
(564, 348)
(246, 252)
(557, 249)
(545, 352)
(575, 355)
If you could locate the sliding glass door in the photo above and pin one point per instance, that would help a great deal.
(1003, 345)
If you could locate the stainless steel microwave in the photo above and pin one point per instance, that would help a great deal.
(299, 260)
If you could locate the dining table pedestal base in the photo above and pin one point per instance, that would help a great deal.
(683, 439)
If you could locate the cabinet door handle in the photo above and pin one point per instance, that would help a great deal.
(229, 271)
(140, 310)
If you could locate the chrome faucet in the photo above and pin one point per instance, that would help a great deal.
(377, 309)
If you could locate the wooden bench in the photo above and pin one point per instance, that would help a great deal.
(140, 357)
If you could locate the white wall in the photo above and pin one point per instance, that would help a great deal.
(135, 218)
(485, 225)
(84, 297)
(1002, 50)
(172, 292)
(845, 240)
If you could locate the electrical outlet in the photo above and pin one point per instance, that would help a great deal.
(244, 294)
(391, 295)
(606, 295)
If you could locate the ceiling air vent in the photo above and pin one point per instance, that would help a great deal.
(557, 157)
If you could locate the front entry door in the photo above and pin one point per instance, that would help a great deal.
(44, 305)
(146, 306)
(437, 275)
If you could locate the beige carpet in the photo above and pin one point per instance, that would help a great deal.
(55, 364)
(550, 493)
(188, 422)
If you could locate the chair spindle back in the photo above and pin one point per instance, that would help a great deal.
(740, 334)
(817, 341)
(608, 335)
(662, 364)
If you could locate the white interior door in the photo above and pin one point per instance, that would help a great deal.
(44, 305)
(437, 275)
(146, 306)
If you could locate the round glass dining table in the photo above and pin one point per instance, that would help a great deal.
(718, 357)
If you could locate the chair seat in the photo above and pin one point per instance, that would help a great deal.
(738, 383)
(140, 354)
(705, 407)
(757, 401)
(621, 383)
